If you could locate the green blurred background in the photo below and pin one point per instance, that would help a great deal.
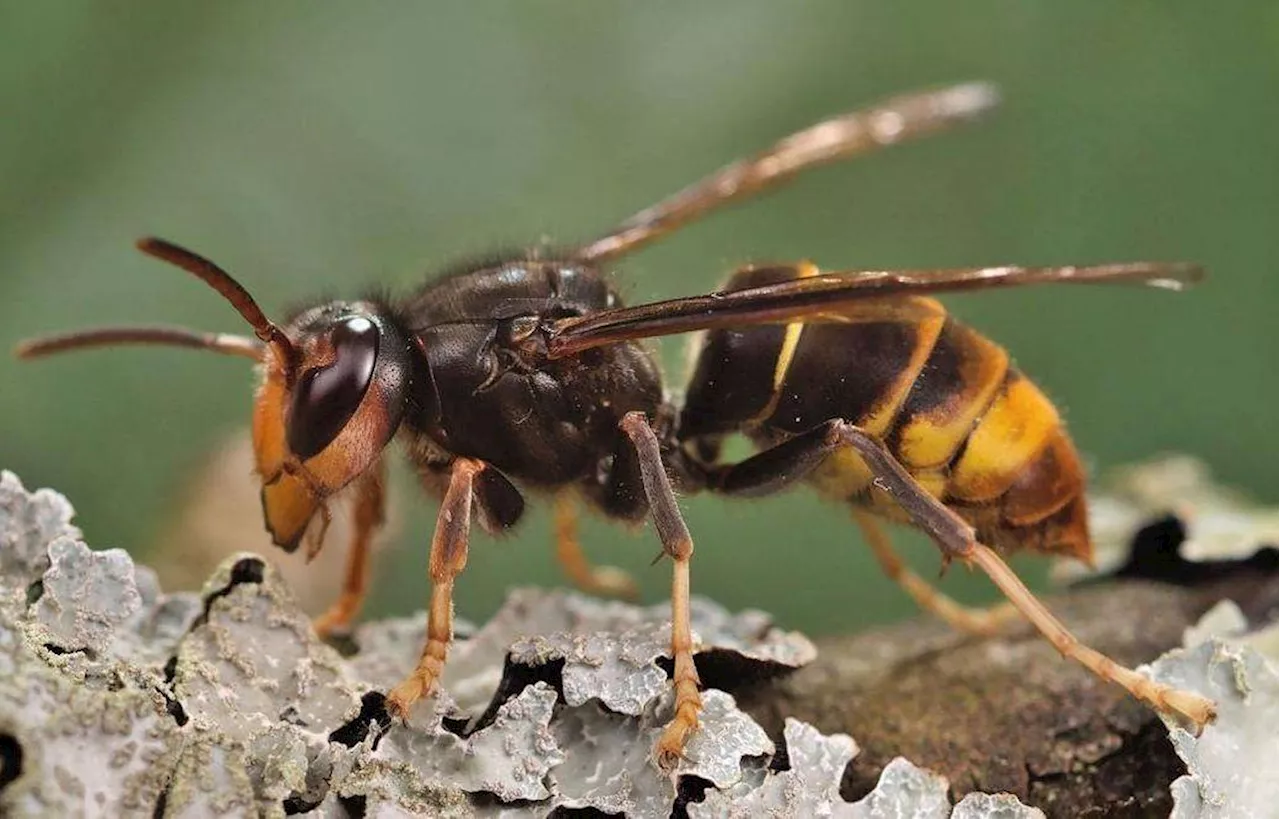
(314, 149)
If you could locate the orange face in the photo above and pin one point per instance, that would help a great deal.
(318, 427)
(334, 387)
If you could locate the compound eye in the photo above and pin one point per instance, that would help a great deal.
(325, 398)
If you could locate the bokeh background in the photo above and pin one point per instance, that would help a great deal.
(315, 149)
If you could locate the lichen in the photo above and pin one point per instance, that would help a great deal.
(1218, 523)
(1232, 768)
(118, 699)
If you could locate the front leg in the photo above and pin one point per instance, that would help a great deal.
(677, 543)
(448, 558)
(369, 510)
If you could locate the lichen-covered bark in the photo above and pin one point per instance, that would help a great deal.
(119, 700)
(1008, 714)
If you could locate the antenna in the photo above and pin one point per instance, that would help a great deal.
(225, 343)
(230, 289)
(110, 336)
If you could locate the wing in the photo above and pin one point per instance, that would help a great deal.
(856, 295)
(860, 132)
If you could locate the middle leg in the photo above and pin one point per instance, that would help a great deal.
(677, 543)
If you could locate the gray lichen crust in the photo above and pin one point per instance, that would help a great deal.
(1219, 522)
(119, 700)
(1233, 770)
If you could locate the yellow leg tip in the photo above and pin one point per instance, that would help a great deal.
(1190, 707)
(338, 619)
(669, 749)
(329, 624)
(610, 581)
(403, 697)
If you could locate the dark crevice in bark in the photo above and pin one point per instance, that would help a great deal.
(10, 759)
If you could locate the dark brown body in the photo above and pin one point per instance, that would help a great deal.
(484, 387)
(945, 400)
(947, 403)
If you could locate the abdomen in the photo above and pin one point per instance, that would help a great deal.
(970, 427)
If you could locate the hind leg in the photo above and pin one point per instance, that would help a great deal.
(966, 619)
(798, 456)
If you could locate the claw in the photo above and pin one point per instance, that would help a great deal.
(669, 750)
(403, 697)
(1187, 707)
(332, 628)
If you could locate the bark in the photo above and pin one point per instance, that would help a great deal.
(1009, 714)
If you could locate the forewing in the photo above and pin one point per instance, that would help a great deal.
(859, 295)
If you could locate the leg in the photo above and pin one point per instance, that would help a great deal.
(448, 557)
(677, 543)
(979, 622)
(608, 581)
(776, 468)
(368, 507)
(956, 539)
